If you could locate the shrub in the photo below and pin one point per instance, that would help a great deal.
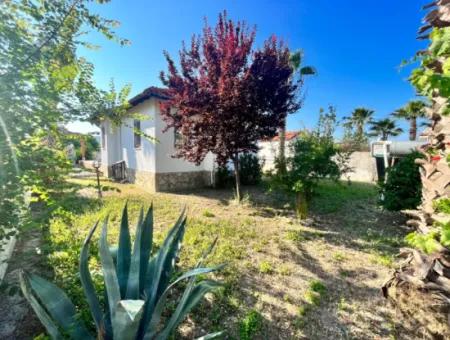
(250, 169)
(223, 178)
(403, 186)
(137, 287)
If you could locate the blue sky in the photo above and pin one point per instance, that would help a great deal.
(356, 46)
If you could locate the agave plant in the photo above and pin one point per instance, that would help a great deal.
(136, 284)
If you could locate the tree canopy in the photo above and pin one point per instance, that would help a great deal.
(227, 96)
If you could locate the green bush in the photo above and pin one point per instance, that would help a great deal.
(224, 178)
(403, 187)
(250, 172)
(250, 169)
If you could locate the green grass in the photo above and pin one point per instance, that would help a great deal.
(331, 197)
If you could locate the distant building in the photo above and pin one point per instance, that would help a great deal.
(268, 149)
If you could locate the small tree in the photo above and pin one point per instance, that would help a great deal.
(314, 158)
(227, 96)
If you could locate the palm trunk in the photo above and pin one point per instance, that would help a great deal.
(237, 177)
(413, 129)
(282, 150)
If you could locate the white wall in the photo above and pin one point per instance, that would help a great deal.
(143, 158)
(151, 156)
(268, 151)
(166, 149)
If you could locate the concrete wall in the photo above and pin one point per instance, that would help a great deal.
(363, 167)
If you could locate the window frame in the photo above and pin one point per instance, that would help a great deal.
(137, 138)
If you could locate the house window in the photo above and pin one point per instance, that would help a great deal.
(137, 135)
(177, 138)
(103, 137)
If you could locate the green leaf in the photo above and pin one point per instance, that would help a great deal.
(211, 336)
(59, 306)
(141, 254)
(124, 253)
(109, 271)
(191, 297)
(86, 282)
(126, 318)
(166, 259)
(40, 311)
(156, 316)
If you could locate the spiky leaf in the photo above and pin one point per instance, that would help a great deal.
(124, 253)
(59, 306)
(86, 282)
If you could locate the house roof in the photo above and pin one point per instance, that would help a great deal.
(150, 92)
(289, 136)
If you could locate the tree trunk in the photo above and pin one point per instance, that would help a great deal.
(237, 177)
(282, 150)
(413, 129)
(301, 205)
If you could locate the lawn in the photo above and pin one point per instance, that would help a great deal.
(285, 279)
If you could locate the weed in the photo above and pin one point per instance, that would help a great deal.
(339, 257)
(315, 292)
(251, 325)
(207, 213)
(284, 270)
(265, 267)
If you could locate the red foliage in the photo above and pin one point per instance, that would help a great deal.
(227, 96)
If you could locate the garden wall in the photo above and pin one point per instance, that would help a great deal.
(363, 167)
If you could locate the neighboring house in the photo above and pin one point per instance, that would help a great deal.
(149, 164)
(268, 149)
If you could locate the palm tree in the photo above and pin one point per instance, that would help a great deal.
(296, 62)
(411, 112)
(384, 128)
(358, 119)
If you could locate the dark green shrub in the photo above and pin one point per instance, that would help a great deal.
(250, 325)
(250, 167)
(223, 178)
(403, 187)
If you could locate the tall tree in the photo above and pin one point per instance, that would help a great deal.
(411, 112)
(42, 83)
(384, 128)
(358, 119)
(299, 71)
(228, 96)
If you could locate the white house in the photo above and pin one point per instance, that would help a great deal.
(150, 164)
(268, 149)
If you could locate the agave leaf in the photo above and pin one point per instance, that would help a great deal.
(192, 295)
(124, 252)
(167, 263)
(86, 282)
(109, 271)
(211, 336)
(46, 320)
(146, 247)
(126, 319)
(156, 268)
(166, 259)
(59, 307)
(156, 315)
(133, 276)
